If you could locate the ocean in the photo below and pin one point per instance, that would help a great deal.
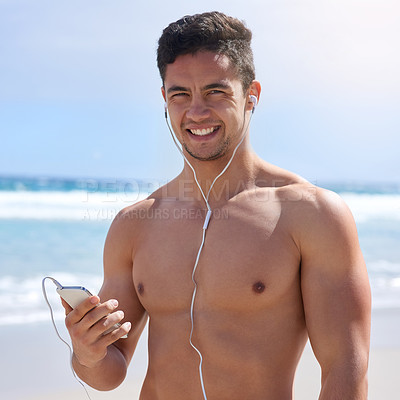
(57, 227)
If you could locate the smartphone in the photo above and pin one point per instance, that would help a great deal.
(74, 295)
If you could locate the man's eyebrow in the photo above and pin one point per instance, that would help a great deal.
(216, 85)
(177, 89)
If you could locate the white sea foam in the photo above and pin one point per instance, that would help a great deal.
(367, 207)
(22, 300)
(74, 205)
(385, 283)
(85, 205)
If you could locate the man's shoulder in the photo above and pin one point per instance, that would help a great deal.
(310, 200)
(142, 209)
(315, 212)
(134, 211)
(300, 199)
(296, 191)
(288, 186)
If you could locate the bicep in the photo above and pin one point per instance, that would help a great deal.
(118, 282)
(335, 287)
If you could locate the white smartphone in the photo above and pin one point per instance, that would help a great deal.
(74, 295)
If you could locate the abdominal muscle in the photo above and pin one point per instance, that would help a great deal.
(252, 356)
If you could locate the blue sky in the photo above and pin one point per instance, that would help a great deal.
(80, 92)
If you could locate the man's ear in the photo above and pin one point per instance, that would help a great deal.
(254, 90)
(163, 93)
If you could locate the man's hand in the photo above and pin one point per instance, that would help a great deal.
(87, 324)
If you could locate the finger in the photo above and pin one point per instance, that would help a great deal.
(77, 314)
(108, 323)
(92, 317)
(116, 334)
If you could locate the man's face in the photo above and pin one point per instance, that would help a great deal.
(206, 104)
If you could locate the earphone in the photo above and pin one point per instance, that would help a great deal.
(253, 99)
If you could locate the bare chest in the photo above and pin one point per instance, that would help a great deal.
(248, 259)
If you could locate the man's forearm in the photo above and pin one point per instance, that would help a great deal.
(345, 384)
(108, 374)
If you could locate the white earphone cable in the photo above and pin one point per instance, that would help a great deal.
(205, 226)
(57, 332)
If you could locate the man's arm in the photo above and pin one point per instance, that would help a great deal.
(102, 361)
(336, 296)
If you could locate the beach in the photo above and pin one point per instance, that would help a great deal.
(58, 227)
(36, 365)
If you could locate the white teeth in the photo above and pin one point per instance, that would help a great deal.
(202, 132)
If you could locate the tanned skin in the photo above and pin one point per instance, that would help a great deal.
(281, 263)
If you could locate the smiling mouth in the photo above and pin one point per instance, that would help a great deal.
(203, 132)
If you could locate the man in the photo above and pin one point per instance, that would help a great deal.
(279, 261)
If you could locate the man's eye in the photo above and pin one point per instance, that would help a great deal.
(179, 94)
(215, 91)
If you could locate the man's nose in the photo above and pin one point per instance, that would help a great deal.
(197, 109)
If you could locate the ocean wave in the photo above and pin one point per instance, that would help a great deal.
(22, 300)
(84, 205)
(367, 207)
(73, 205)
(385, 283)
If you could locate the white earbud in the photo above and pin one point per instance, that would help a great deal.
(253, 99)
(165, 109)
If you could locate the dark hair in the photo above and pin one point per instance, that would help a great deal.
(211, 31)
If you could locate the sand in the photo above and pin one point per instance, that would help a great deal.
(34, 365)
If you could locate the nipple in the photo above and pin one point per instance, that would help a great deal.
(140, 288)
(258, 287)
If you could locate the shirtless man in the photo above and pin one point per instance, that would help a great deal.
(281, 260)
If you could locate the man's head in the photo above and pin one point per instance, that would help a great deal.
(214, 32)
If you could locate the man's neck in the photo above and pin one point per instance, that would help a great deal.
(239, 176)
